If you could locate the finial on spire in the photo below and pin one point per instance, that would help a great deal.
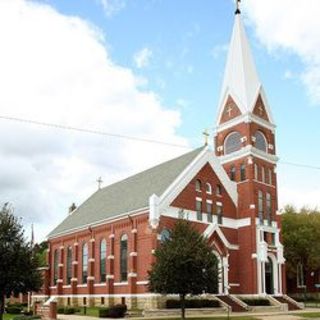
(206, 135)
(238, 11)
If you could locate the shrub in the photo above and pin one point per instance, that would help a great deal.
(22, 317)
(69, 310)
(27, 313)
(14, 309)
(256, 302)
(193, 304)
(117, 311)
(60, 310)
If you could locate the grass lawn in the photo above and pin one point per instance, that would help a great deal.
(309, 315)
(91, 311)
(7, 316)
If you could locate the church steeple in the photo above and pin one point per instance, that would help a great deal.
(241, 81)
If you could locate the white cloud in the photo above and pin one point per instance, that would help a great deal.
(142, 58)
(55, 68)
(111, 7)
(293, 26)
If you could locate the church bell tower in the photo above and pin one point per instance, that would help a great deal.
(245, 145)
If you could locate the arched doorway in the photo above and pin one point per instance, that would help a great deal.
(220, 272)
(269, 276)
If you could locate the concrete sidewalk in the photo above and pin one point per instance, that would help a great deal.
(292, 315)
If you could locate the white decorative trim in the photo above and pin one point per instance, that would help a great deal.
(110, 276)
(199, 199)
(67, 286)
(218, 203)
(244, 139)
(90, 278)
(74, 279)
(234, 284)
(100, 284)
(215, 228)
(92, 240)
(84, 285)
(134, 231)
(271, 147)
(60, 265)
(133, 254)
(76, 244)
(120, 284)
(154, 213)
(59, 280)
(118, 295)
(263, 183)
(75, 262)
(91, 260)
(111, 236)
(111, 257)
(252, 206)
(142, 283)
(209, 201)
(153, 251)
(61, 247)
(132, 275)
(220, 148)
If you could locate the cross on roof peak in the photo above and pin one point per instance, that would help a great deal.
(100, 181)
(238, 11)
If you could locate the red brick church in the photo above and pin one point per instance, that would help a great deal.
(102, 251)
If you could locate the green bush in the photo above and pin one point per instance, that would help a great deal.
(117, 311)
(14, 309)
(69, 310)
(60, 310)
(27, 313)
(193, 304)
(256, 302)
(22, 317)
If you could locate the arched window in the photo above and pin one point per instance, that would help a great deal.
(84, 263)
(69, 265)
(164, 235)
(243, 172)
(256, 171)
(124, 258)
(103, 257)
(218, 190)
(233, 173)
(261, 141)
(198, 185)
(263, 174)
(260, 206)
(269, 208)
(232, 142)
(55, 266)
(208, 188)
(270, 176)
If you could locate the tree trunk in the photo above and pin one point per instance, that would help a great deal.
(1, 305)
(183, 306)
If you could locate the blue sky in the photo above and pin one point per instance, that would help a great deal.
(147, 68)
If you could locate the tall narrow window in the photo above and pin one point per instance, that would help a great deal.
(256, 171)
(124, 258)
(209, 211)
(219, 213)
(199, 209)
(233, 173)
(243, 172)
(84, 263)
(219, 190)
(263, 174)
(208, 188)
(103, 257)
(55, 266)
(198, 185)
(69, 265)
(269, 208)
(260, 206)
(270, 177)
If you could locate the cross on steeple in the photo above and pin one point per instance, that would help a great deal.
(206, 135)
(261, 110)
(99, 180)
(229, 111)
(238, 11)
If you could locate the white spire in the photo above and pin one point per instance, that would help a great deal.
(241, 80)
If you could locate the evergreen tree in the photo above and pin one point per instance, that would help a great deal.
(18, 265)
(185, 264)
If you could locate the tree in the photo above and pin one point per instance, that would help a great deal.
(185, 264)
(301, 239)
(18, 265)
(40, 250)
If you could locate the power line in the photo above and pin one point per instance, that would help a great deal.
(121, 136)
(91, 131)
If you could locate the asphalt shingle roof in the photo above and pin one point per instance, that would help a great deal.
(127, 195)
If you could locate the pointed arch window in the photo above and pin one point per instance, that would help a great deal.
(260, 141)
(164, 235)
(256, 171)
(198, 185)
(55, 266)
(233, 173)
(103, 257)
(84, 263)
(260, 206)
(208, 188)
(69, 265)
(243, 172)
(124, 258)
(269, 208)
(263, 174)
(232, 142)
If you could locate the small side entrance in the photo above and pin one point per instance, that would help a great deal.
(269, 277)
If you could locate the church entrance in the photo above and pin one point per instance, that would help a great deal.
(269, 277)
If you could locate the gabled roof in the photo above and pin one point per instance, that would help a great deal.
(127, 195)
(241, 80)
